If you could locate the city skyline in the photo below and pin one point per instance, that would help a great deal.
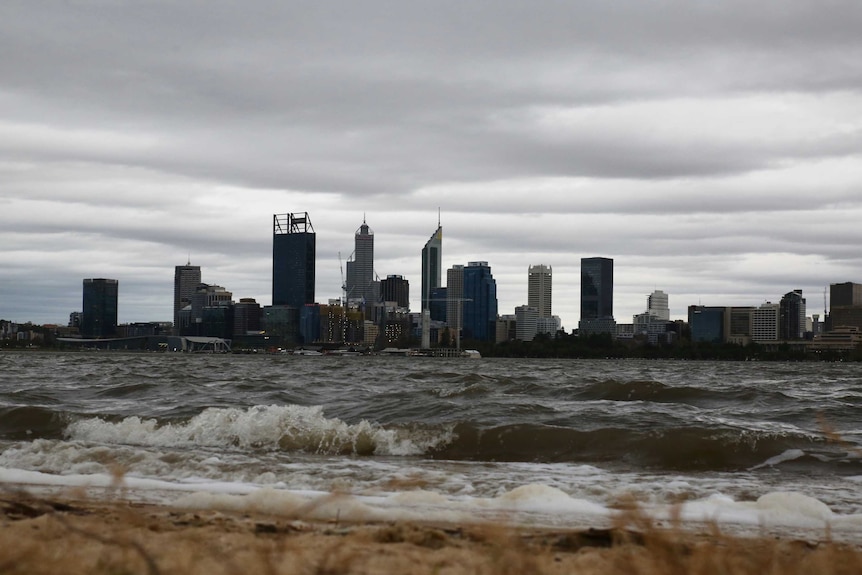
(712, 150)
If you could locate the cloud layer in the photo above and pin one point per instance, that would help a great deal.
(712, 149)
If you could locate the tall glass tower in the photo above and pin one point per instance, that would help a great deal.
(480, 302)
(432, 264)
(360, 271)
(597, 296)
(186, 279)
(293, 259)
(99, 317)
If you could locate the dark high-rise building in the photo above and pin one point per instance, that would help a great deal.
(480, 302)
(293, 260)
(597, 296)
(186, 279)
(99, 316)
(432, 262)
(438, 302)
(246, 317)
(845, 294)
(792, 316)
(360, 271)
(845, 306)
(397, 289)
(706, 323)
(455, 299)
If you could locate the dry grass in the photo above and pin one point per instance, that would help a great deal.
(48, 535)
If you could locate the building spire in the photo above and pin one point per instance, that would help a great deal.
(438, 216)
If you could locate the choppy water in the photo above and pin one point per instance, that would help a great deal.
(559, 434)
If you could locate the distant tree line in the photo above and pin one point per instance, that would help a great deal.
(600, 346)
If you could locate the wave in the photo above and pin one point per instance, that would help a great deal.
(285, 428)
(27, 422)
(657, 392)
(301, 429)
(684, 448)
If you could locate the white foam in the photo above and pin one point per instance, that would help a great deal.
(273, 427)
(788, 455)
(533, 504)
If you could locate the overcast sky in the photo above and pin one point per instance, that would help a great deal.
(713, 149)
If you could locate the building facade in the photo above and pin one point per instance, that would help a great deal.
(597, 296)
(480, 302)
(360, 271)
(539, 284)
(657, 305)
(526, 322)
(99, 315)
(706, 323)
(455, 299)
(765, 323)
(432, 266)
(396, 289)
(293, 260)
(845, 306)
(186, 279)
(792, 320)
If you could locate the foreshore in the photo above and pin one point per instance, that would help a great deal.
(78, 535)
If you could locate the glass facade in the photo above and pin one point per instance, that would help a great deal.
(293, 260)
(480, 302)
(432, 261)
(99, 317)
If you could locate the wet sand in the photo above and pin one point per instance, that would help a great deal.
(64, 534)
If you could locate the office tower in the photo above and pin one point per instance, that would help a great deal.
(792, 315)
(526, 322)
(480, 302)
(438, 302)
(100, 308)
(765, 322)
(186, 279)
(360, 271)
(657, 305)
(246, 317)
(539, 289)
(707, 323)
(845, 294)
(396, 289)
(432, 261)
(454, 299)
(845, 306)
(293, 260)
(597, 296)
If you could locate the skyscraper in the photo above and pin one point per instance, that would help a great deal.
(657, 305)
(432, 262)
(396, 289)
(186, 279)
(454, 299)
(526, 322)
(480, 302)
(597, 296)
(360, 271)
(99, 318)
(792, 315)
(293, 260)
(539, 289)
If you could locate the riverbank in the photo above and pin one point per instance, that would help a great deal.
(53, 534)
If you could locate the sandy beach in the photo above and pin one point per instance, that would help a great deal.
(65, 534)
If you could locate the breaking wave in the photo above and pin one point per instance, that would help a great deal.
(286, 428)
